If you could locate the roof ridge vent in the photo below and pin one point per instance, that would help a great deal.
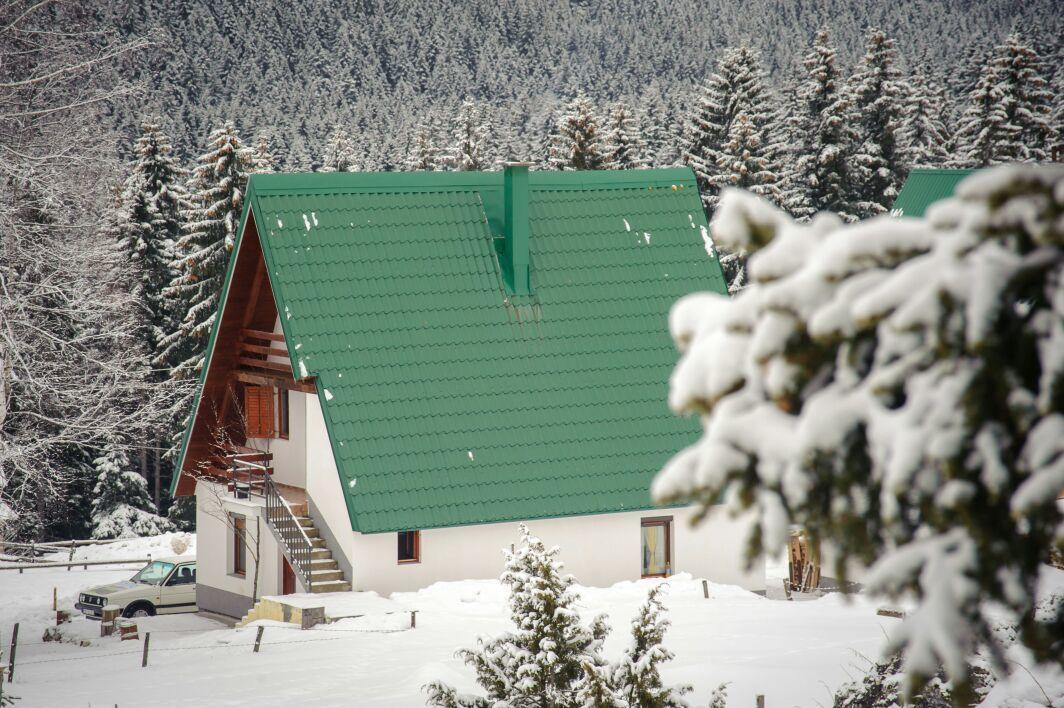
(516, 225)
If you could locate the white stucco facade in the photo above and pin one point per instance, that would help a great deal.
(599, 550)
(219, 588)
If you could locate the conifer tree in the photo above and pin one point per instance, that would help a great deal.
(149, 225)
(121, 507)
(878, 158)
(624, 148)
(983, 129)
(262, 160)
(576, 143)
(422, 153)
(1009, 112)
(202, 253)
(818, 178)
(470, 136)
(655, 123)
(743, 163)
(542, 661)
(916, 367)
(638, 677)
(736, 87)
(923, 132)
(340, 155)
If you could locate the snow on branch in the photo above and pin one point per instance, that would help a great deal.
(895, 386)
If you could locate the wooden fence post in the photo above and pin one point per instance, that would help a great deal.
(760, 701)
(55, 598)
(705, 588)
(258, 638)
(11, 653)
(413, 619)
(144, 657)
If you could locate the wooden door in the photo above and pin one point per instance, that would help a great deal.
(288, 577)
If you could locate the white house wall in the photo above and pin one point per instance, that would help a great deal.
(327, 505)
(218, 589)
(599, 550)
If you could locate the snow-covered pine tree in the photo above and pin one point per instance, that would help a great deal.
(1009, 114)
(743, 162)
(736, 87)
(719, 697)
(121, 507)
(923, 132)
(340, 155)
(878, 109)
(541, 663)
(262, 160)
(577, 141)
(983, 133)
(152, 202)
(216, 195)
(905, 378)
(422, 153)
(821, 137)
(624, 148)
(638, 677)
(470, 138)
(655, 126)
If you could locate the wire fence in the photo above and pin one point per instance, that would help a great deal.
(254, 645)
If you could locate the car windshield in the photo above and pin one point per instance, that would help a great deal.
(153, 573)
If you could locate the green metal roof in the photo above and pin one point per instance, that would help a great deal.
(449, 401)
(923, 187)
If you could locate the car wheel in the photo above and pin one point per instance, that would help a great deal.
(139, 609)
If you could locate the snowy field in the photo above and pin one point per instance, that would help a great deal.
(796, 653)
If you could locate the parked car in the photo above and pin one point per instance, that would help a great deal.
(163, 586)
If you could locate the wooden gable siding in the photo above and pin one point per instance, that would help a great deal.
(249, 304)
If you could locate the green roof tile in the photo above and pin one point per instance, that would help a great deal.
(923, 187)
(456, 403)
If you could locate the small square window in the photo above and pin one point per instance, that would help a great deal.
(409, 546)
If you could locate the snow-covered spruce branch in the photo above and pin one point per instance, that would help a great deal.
(896, 387)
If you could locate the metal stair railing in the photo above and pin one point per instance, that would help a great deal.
(290, 535)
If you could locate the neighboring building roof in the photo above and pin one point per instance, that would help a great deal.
(923, 187)
(449, 401)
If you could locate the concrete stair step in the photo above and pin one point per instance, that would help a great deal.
(300, 509)
(317, 576)
(317, 542)
(323, 564)
(312, 533)
(305, 521)
(331, 586)
(320, 553)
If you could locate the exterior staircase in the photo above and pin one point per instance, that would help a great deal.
(325, 573)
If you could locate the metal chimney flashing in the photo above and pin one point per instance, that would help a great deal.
(516, 225)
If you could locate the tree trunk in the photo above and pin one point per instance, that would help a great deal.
(255, 578)
(158, 476)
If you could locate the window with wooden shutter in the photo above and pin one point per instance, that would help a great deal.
(258, 409)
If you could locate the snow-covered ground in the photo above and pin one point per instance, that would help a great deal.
(796, 653)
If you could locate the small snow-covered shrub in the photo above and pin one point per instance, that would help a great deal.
(552, 659)
(895, 386)
(883, 687)
(121, 507)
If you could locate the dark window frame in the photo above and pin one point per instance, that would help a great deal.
(414, 547)
(240, 551)
(666, 523)
(283, 427)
